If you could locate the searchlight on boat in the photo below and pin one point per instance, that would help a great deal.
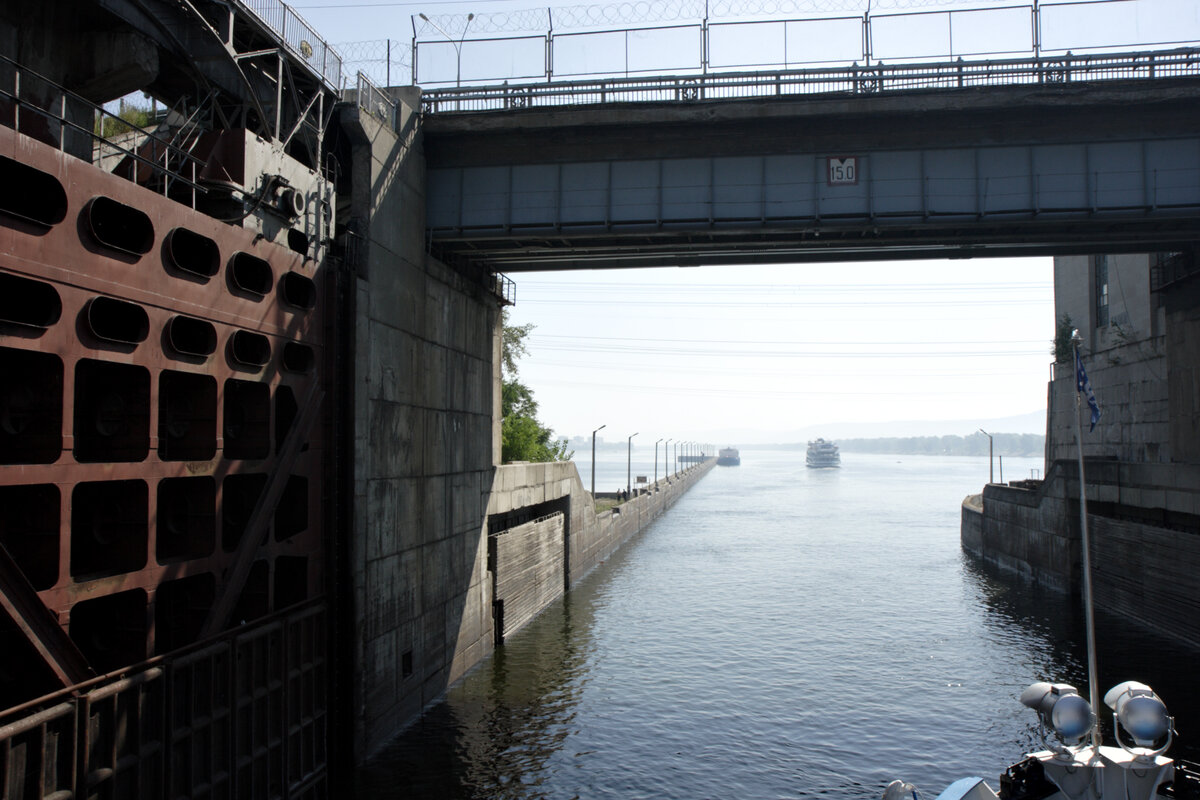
(1143, 715)
(1061, 710)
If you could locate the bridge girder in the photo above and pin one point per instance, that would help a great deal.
(997, 171)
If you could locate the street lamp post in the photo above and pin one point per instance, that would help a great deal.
(985, 433)
(666, 450)
(629, 465)
(602, 427)
(457, 45)
(656, 462)
(676, 454)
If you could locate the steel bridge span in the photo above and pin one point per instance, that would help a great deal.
(1085, 154)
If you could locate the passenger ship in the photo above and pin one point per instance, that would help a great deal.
(823, 454)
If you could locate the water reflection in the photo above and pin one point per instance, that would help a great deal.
(494, 733)
(1050, 629)
(781, 632)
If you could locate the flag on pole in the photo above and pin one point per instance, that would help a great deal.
(1082, 384)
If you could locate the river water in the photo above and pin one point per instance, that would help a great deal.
(780, 632)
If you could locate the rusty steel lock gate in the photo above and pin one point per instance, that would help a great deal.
(161, 471)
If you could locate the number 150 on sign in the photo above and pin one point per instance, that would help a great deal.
(843, 171)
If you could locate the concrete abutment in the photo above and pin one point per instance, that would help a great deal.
(441, 535)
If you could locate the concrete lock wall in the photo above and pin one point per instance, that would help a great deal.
(424, 403)
(1144, 557)
(426, 400)
(587, 538)
(1024, 532)
(1128, 380)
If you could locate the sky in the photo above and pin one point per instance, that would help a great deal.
(752, 353)
(902, 29)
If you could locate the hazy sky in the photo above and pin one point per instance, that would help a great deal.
(687, 352)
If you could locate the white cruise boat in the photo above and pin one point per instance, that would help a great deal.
(822, 454)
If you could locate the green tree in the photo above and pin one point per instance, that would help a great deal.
(130, 117)
(1063, 349)
(523, 436)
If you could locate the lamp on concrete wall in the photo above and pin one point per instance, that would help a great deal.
(629, 464)
(985, 433)
(656, 462)
(602, 427)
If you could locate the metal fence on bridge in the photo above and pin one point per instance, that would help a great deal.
(699, 37)
(852, 80)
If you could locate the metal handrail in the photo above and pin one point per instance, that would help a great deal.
(374, 100)
(190, 165)
(295, 32)
(1183, 62)
(504, 288)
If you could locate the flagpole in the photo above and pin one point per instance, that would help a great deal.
(1089, 611)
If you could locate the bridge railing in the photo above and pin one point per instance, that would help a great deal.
(374, 100)
(300, 37)
(1184, 62)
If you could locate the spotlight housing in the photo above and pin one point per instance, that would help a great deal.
(1143, 715)
(1060, 709)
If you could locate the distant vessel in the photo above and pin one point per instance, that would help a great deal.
(823, 454)
(729, 457)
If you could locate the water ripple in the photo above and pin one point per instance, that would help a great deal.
(780, 633)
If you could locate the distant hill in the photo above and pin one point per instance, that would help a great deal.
(1031, 422)
(1009, 444)
(1025, 445)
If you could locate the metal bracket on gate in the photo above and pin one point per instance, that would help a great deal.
(264, 510)
(22, 603)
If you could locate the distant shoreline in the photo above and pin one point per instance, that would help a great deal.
(1025, 445)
